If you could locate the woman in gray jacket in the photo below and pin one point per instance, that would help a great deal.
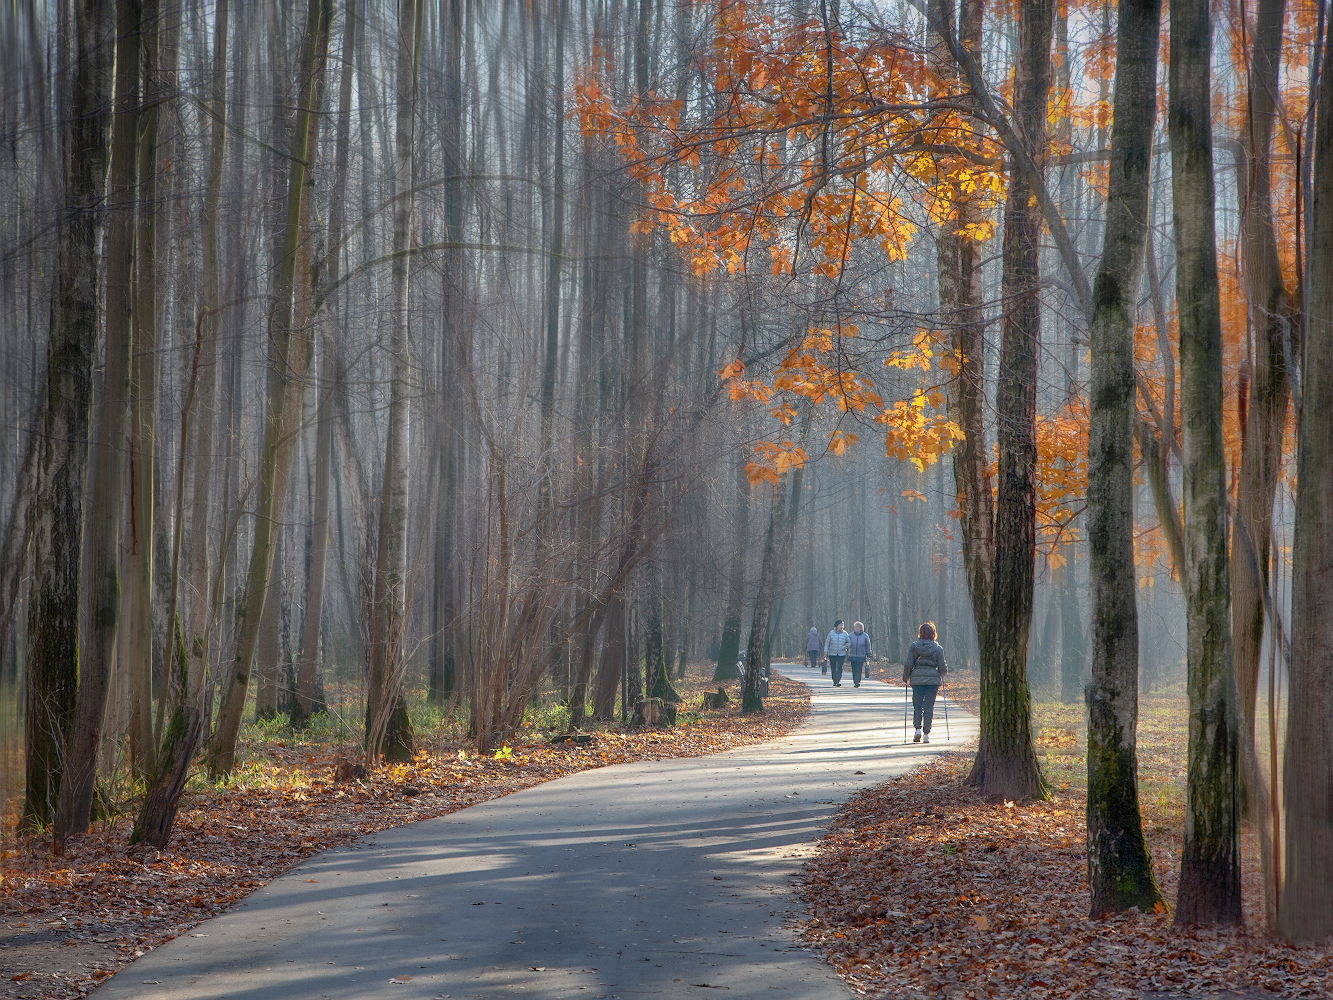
(924, 668)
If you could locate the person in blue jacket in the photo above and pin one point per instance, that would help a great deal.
(858, 651)
(836, 648)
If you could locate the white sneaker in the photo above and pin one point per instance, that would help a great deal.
(917, 737)
(925, 738)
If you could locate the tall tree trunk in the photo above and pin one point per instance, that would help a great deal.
(389, 729)
(108, 457)
(272, 479)
(961, 296)
(198, 617)
(1305, 910)
(51, 681)
(1210, 863)
(1006, 762)
(1265, 413)
(136, 644)
(730, 646)
(1120, 873)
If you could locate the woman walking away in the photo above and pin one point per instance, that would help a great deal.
(858, 651)
(835, 648)
(812, 647)
(924, 668)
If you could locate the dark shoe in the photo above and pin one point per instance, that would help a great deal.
(857, 684)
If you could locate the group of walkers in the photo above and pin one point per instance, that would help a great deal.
(924, 667)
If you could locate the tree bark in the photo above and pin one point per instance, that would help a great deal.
(272, 479)
(1120, 874)
(961, 296)
(1305, 909)
(1006, 762)
(198, 615)
(62, 457)
(729, 649)
(1265, 413)
(108, 458)
(389, 729)
(1210, 864)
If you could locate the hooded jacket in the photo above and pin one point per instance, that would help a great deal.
(837, 643)
(812, 641)
(925, 663)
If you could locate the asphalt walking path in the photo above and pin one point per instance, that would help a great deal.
(671, 878)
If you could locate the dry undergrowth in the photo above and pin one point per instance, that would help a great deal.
(70, 922)
(921, 889)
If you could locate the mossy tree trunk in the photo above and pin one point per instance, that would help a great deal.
(1120, 874)
(1210, 863)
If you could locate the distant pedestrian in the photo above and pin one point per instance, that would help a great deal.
(812, 645)
(924, 668)
(836, 647)
(858, 651)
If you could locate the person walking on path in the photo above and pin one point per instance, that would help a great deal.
(812, 647)
(858, 651)
(836, 647)
(924, 668)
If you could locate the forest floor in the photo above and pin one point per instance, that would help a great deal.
(921, 888)
(69, 922)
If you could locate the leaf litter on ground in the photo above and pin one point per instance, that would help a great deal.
(108, 903)
(922, 889)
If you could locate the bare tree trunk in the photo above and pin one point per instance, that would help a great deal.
(198, 617)
(730, 647)
(108, 459)
(1210, 864)
(389, 730)
(136, 645)
(272, 479)
(1120, 873)
(1305, 910)
(1006, 762)
(1265, 413)
(52, 675)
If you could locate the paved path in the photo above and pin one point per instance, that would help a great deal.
(667, 878)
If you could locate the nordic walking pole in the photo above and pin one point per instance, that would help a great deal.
(904, 713)
(946, 713)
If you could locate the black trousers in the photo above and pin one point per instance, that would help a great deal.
(858, 667)
(813, 656)
(923, 705)
(835, 664)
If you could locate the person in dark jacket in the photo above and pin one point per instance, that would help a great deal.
(924, 668)
(858, 651)
(835, 648)
(812, 645)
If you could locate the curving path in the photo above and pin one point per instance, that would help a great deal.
(667, 878)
